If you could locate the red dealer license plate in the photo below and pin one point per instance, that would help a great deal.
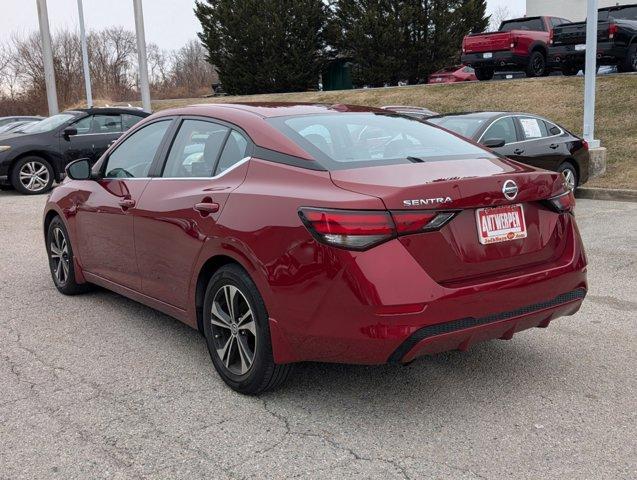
(500, 224)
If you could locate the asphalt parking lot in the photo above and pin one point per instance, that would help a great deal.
(98, 386)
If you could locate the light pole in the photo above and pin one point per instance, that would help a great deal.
(87, 72)
(141, 55)
(47, 58)
(590, 74)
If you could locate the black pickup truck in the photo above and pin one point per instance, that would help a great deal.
(616, 41)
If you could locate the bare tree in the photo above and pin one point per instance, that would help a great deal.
(498, 16)
(111, 58)
(191, 71)
(113, 64)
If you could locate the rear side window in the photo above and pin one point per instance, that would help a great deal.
(552, 128)
(504, 129)
(233, 152)
(348, 140)
(533, 128)
(134, 157)
(195, 150)
(533, 24)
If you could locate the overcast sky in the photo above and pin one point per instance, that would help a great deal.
(169, 23)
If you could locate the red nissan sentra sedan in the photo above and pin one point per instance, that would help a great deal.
(291, 232)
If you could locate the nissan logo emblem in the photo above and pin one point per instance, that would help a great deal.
(510, 190)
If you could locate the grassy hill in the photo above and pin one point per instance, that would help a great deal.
(558, 98)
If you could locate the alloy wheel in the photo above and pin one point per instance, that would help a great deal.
(569, 176)
(538, 65)
(34, 176)
(234, 329)
(59, 251)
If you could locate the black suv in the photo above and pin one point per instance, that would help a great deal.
(616, 41)
(31, 159)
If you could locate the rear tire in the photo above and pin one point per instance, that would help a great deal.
(629, 64)
(237, 331)
(60, 253)
(570, 174)
(32, 175)
(537, 65)
(484, 74)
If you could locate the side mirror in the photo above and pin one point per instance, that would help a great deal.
(494, 142)
(69, 132)
(555, 131)
(79, 169)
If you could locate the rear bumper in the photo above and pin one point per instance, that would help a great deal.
(460, 334)
(566, 56)
(383, 307)
(503, 59)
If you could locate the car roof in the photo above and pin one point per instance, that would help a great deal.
(476, 114)
(521, 19)
(109, 110)
(281, 109)
(20, 117)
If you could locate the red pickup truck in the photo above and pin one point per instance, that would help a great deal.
(519, 44)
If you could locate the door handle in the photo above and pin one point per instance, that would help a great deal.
(553, 146)
(127, 203)
(518, 151)
(207, 207)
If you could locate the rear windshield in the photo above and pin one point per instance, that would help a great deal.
(465, 126)
(348, 140)
(535, 24)
(626, 13)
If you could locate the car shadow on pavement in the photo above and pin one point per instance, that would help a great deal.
(515, 367)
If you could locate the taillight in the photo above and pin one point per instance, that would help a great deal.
(585, 145)
(551, 37)
(563, 203)
(612, 30)
(363, 229)
(419, 221)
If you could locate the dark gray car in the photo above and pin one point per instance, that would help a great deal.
(32, 158)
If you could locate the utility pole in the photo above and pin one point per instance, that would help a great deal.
(47, 57)
(141, 54)
(87, 72)
(590, 74)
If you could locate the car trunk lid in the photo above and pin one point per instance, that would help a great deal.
(454, 255)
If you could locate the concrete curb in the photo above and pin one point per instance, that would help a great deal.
(607, 194)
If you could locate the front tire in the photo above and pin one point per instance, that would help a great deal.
(32, 175)
(236, 327)
(60, 253)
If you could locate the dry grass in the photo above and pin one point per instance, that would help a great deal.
(558, 98)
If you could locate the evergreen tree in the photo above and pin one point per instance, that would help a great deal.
(392, 40)
(262, 46)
